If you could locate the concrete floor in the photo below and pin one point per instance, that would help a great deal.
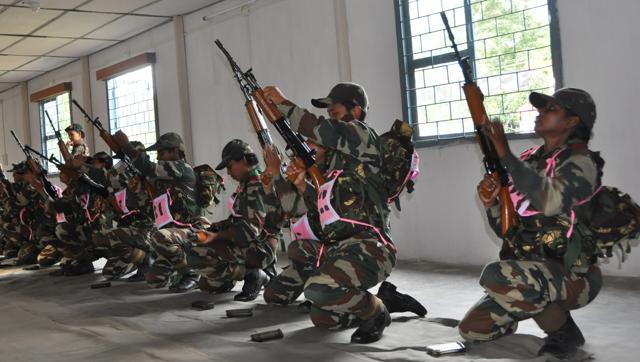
(45, 318)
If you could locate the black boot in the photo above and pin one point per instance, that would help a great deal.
(371, 330)
(271, 270)
(78, 268)
(398, 302)
(563, 343)
(143, 269)
(254, 280)
(188, 281)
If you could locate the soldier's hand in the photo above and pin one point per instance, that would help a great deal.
(121, 139)
(274, 95)
(296, 173)
(488, 190)
(77, 162)
(205, 237)
(273, 159)
(494, 130)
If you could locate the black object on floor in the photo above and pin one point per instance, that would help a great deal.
(267, 336)
(32, 267)
(234, 313)
(203, 304)
(100, 285)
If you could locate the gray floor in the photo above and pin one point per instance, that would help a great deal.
(43, 318)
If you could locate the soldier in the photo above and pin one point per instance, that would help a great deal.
(76, 141)
(552, 267)
(129, 241)
(85, 202)
(347, 248)
(15, 233)
(238, 247)
(176, 211)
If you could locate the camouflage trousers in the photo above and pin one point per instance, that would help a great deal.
(80, 242)
(338, 287)
(15, 235)
(171, 245)
(223, 262)
(31, 251)
(517, 290)
(128, 245)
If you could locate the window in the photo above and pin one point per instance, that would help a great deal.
(509, 44)
(131, 105)
(59, 110)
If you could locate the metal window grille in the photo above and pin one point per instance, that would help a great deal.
(513, 50)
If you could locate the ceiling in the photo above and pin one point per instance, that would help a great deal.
(61, 31)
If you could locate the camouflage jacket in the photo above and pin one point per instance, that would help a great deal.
(83, 205)
(354, 148)
(137, 200)
(80, 150)
(248, 219)
(30, 204)
(178, 179)
(557, 185)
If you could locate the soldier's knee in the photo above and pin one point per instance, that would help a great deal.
(318, 292)
(295, 251)
(492, 274)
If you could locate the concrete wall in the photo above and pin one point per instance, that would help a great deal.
(305, 46)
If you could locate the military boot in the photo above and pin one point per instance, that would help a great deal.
(371, 330)
(397, 302)
(254, 280)
(563, 343)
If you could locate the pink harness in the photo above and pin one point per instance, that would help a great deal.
(60, 217)
(301, 229)
(22, 212)
(412, 175)
(121, 200)
(84, 203)
(523, 205)
(162, 211)
(328, 214)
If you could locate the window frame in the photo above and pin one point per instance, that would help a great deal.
(407, 67)
(43, 131)
(155, 95)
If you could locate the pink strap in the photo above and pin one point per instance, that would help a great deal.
(573, 214)
(412, 175)
(320, 255)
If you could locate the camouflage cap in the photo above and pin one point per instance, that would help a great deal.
(234, 150)
(75, 127)
(575, 100)
(344, 93)
(167, 141)
(102, 157)
(19, 168)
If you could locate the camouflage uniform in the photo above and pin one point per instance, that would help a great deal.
(242, 239)
(176, 179)
(336, 271)
(80, 239)
(553, 252)
(129, 241)
(80, 149)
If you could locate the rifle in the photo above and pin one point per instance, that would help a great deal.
(64, 151)
(108, 139)
(491, 161)
(69, 171)
(253, 92)
(45, 187)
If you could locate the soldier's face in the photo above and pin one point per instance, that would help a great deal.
(98, 164)
(74, 136)
(237, 169)
(552, 120)
(171, 154)
(341, 112)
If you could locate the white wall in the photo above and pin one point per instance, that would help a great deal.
(294, 44)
